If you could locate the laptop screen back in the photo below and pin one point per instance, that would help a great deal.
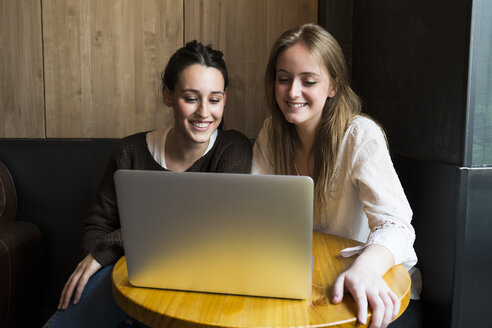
(217, 232)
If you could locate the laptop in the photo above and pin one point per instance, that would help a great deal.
(217, 232)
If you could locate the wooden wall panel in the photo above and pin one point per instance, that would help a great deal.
(245, 31)
(103, 61)
(21, 70)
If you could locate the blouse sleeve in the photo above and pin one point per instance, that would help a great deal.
(382, 197)
(262, 161)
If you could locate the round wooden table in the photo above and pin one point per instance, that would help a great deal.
(170, 308)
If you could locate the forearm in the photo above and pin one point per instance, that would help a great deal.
(101, 228)
(374, 259)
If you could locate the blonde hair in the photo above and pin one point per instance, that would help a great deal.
(337, 113)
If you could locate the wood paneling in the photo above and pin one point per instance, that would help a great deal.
(21, 70)
(245, 31)
(103, 61)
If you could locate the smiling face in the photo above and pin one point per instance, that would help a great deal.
(302, 86)
(198, 100)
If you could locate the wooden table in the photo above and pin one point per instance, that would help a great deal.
(170, 308)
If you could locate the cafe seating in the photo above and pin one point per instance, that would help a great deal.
(20, 247)
(55, 182)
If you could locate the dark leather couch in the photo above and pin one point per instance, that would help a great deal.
(40, 238)
(20, 250)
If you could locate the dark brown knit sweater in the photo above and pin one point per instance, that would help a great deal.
(231, 153)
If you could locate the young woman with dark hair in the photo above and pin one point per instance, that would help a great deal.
(195, 86)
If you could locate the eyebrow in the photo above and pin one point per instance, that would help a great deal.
(198, 91)
(302, 73)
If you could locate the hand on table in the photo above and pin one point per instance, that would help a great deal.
(77, 281)
(368, 288)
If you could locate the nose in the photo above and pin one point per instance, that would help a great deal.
(203, 110)
(294, 89)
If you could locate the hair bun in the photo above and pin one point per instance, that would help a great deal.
(193, 52)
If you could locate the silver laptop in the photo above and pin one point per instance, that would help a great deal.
(217, 232)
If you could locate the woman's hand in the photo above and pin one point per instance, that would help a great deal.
(85, 269)
(367, 289)
(363, 280)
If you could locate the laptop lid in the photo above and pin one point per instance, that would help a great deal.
(217, 232)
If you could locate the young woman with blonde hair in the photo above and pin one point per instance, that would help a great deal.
(316, 129)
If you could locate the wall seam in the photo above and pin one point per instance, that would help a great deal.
(44, 71)
(470, 87)
(184, 22)
(461, 216)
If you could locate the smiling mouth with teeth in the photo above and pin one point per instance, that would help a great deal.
(296, 105)
(199, 124)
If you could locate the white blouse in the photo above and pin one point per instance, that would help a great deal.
(366, 202)
(156, 143)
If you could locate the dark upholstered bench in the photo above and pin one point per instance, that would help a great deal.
(40, 238)
(20, 252)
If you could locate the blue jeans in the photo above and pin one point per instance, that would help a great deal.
(96, 307)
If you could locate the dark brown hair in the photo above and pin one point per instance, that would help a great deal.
(193, 53)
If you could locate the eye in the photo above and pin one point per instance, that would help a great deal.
(191, 99)
(283, 80)
(309, 83)
(215, 100)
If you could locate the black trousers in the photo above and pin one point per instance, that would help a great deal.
(411, 318)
